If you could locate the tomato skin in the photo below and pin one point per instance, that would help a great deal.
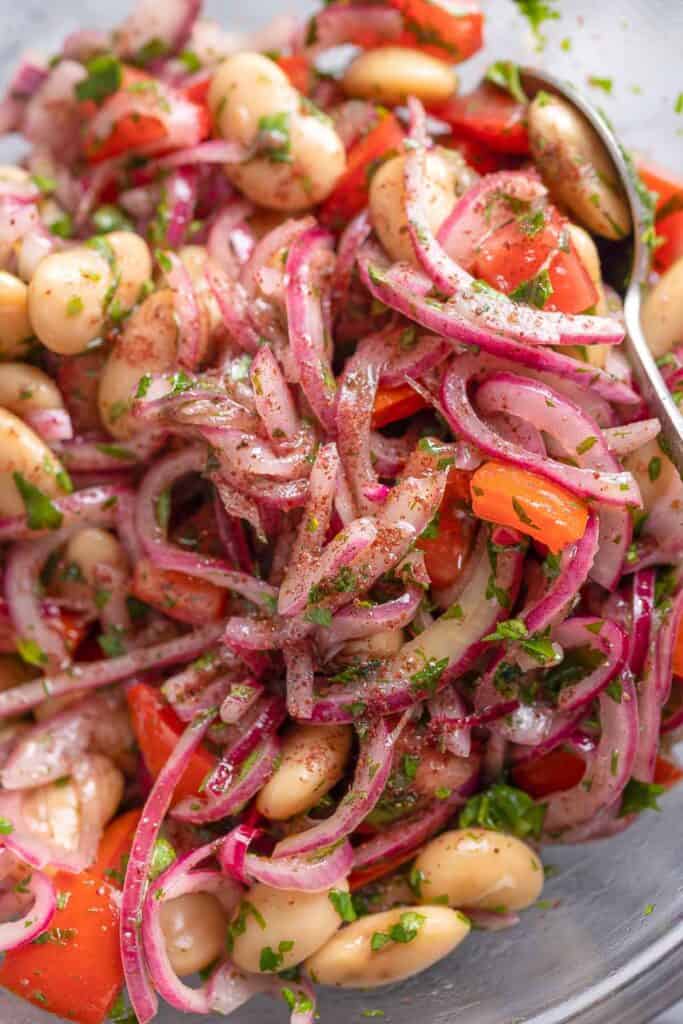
(558, 770)
(363, 876)
(488, 115)
(350, 195)
(431, 28)
(445, 554)
(478, 155)
(508, 257)
(298, 69)
(671, 230)
(677, 660)
(392, 404)
(157, 729)
(669, 218)
(667, 773)
(181, 597)
(80, 976)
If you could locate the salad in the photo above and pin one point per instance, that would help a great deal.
(340, 552)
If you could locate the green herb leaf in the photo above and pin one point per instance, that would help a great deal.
(577, 663)
(104, 78)
(427, 678)
(522, 515)
(112, 642)
(41, 514)
(6, 827)
(319, 616)
(534, 292)
(505, 74)
(275, 138)
(537, 12)
(597, 82)
(640, 796)
(30, 652)
(343, 904)
(504, 808)
(509, 629)
(163, 856)
(586, 445)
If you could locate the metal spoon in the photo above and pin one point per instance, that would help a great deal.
(645, 370)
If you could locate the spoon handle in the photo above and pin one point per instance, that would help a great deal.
(650, 381)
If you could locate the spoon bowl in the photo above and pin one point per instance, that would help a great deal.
(636, 253)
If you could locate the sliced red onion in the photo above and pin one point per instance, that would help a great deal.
(610, 768)
(311, 873)
(649, 718)
(597, 475)
(562, 729)
(340, 23)
(631, 436)
(93, 506)
(354, 417)
(408, 833)
(642, 620)
(239, 699)
(316, 519)
(490, 310)
(300, 679)
(445, 649)
(179, 117)
(16, 934)
(272, 397)
(220, 242)
(232, 302)
(489, 920)
(373, 768)
(353, 622)
(602, 635)
(229, 988)
(352, 238)
(92, 675)
(232, 853)
(140, 991)
(168, 24)
(85, 455)
(245, 454)
(575, 564)
(198, 811)
(181, 197)
(673, 719)
(445, 709)
(402, 288)
(187, 309)
(51, 424)
(25, 562)
(216, 151)
(306, 324)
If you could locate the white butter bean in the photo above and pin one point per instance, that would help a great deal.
(67, 297)
(194, 927)
(387, 204)
(390, 74)
(275, 928)
(479, 868)
(148, 344)
(22, 451)
(364, 955)
(662, 313)
(313, 760)
(15, 326)
(576, 166)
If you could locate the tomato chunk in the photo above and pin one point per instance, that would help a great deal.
(157, 729)
(350, 195)
(182, 597)
(669, 219)
(489, 115)
(77, 973)
(434, 28)
(558, 770)
(392, 404)
(448, 541)
(363, 876)
(527, 502)
(299, 71)
(667, 773)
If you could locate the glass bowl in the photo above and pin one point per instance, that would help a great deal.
(606, 943)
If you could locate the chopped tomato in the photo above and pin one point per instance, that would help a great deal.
(168, 119)
(667, 773)
(481, 157)
(350, 195)
(182, 597)
(489, 115)
(77, 972)
(527, 502)
(157, 729)
(558, 770)
(669, 221)
(363, 876)
(393, 404)
(198, 91)
(445, 552)
(433, 27)
(518, 251)
(299, 71)
(677, 662)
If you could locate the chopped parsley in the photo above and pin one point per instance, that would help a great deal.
(239, 925)
(654, 468)
(30, 652)
(605, 84)
(163, 856)
(586, 445)
(522, 514)
(269, 960)
(41, 514)
(405, 931)
(343, 904)
(504, 808)
(112, 642)
(505, 74)
(104, 78)
(640, 796)
(536, 13)
(108, 218)
(577, 663)
(298, 1002)
(534, 292)
(319, 616)
(6, 827)
(274, 135)
(427, 678)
